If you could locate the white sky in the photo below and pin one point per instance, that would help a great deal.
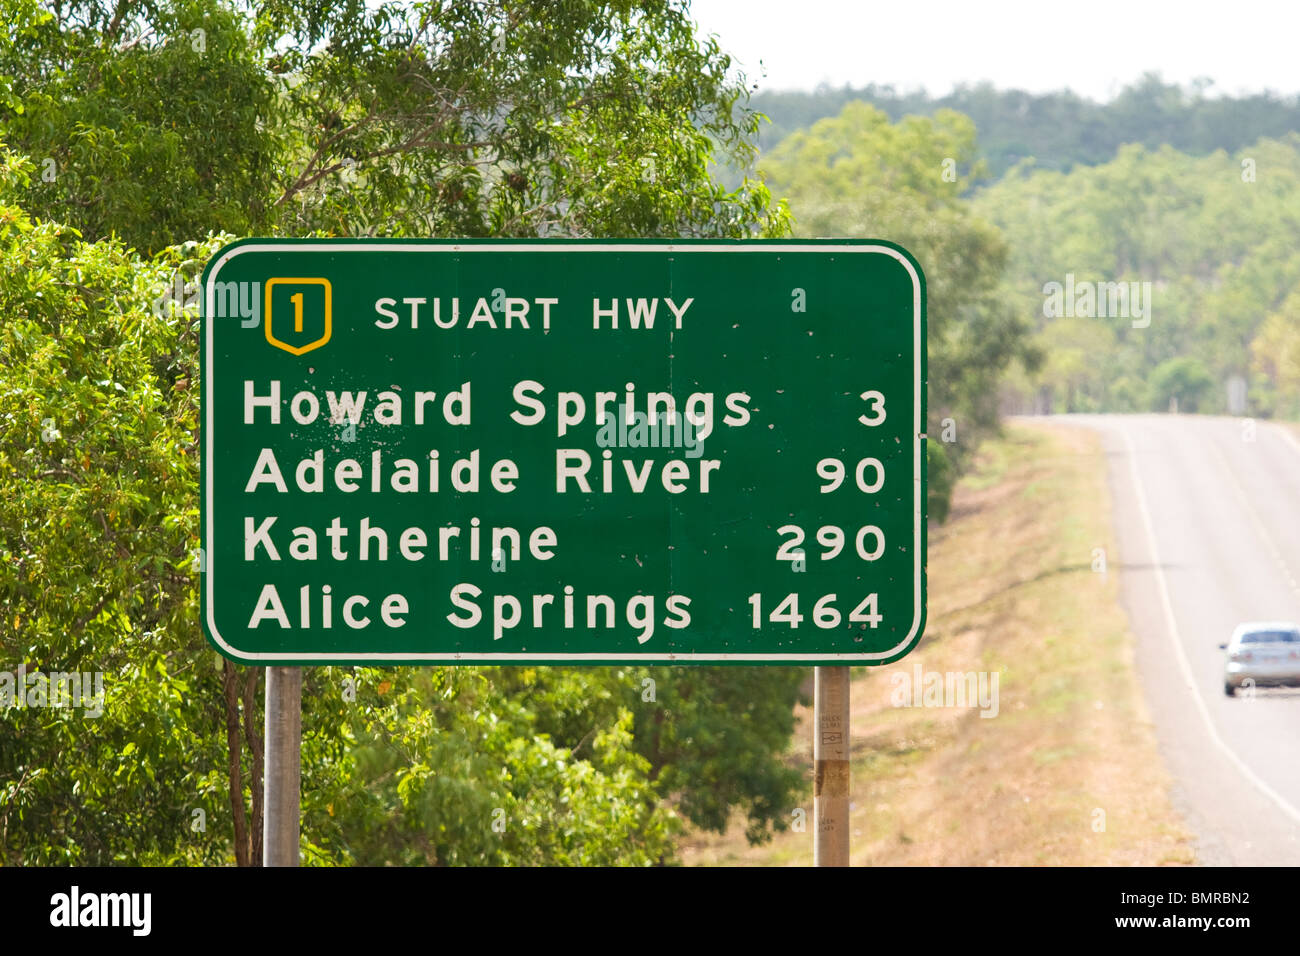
(1093, 47)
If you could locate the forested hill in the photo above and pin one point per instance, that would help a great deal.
(1060, 130)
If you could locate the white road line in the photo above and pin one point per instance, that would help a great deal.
(1183, 665)
(1289, 436)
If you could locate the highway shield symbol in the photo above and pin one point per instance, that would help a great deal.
(298, 313)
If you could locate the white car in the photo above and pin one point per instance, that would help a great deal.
(1264, 653)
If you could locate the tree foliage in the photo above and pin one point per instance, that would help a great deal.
(168, 121)
(1275, 358)
(1215, 237)
(154, 132)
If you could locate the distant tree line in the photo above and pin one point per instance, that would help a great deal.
(1059, 130)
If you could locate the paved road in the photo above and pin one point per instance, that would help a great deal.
(1208, 530)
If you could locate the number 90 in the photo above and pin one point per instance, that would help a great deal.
(832, 471)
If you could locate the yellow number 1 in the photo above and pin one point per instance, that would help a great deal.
(297, 311)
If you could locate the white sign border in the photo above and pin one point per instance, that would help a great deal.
(918, 449)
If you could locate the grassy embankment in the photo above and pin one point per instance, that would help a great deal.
(1011, 590)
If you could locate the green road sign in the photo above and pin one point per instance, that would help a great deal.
(565, 451)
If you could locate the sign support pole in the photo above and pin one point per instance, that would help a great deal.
(831, 766)
(283, 776)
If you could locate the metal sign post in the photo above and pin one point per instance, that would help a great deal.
(282, 786)
(831, 766)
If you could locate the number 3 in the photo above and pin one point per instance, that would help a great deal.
(876, 400)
